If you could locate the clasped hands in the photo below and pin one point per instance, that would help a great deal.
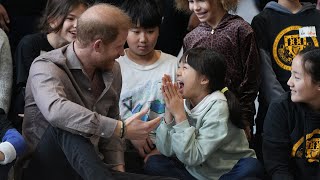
(174, 101)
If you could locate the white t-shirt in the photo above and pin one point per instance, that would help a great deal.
(141, 86)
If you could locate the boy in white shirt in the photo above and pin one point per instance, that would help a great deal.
(142, 68)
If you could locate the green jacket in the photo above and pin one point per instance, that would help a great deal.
(207, 142)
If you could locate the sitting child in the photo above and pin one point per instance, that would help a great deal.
(202, 137)
(291, 129)
(142, 68)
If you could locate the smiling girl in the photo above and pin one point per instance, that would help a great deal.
(292, 125)
(201, 137)
(58, 28)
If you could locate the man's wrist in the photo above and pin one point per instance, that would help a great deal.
(122, 130)
(118, 129)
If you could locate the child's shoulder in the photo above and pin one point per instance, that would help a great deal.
(237, 22)
(167, 57)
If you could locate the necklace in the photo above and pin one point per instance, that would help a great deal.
(212, 31)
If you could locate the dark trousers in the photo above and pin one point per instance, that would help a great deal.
(66, 156)
(4, 170)
(160, 165)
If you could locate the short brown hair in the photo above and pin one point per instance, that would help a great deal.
(226, 4)
(101, 21)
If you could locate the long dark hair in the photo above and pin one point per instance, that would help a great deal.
(211, 64)
(55, 10)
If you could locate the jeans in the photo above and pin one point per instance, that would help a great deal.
(246, 168)
(160, 165)
(66, 156)
(4, 170)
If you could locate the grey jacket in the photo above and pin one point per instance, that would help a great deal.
(59, 92)
(5, 72)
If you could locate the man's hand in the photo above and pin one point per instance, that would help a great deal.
(137, 129)
(4, 18)
(144, 147)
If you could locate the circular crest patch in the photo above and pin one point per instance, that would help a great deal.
(288, 44)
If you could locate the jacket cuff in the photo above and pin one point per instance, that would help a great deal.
(106, 127)
(180, 127)
(169, 125)
(9, 152)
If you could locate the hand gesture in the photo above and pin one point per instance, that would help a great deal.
(173, 99)
(4, 19)
(136, 129)
(144, 147)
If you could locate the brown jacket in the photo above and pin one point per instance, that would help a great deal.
(59, 92)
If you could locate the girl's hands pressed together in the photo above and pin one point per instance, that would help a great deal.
(173, 99)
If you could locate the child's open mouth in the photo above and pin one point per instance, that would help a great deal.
(180, 85)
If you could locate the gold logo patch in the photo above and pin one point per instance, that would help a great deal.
(288, 44)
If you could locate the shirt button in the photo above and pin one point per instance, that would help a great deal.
(89, 89)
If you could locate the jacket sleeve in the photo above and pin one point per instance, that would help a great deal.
(5, 72)
(47, 82)
(270, 87)
(193, 147)
(12, 142)
(164, 138)
(113, 148)
(276, 142)
(250, 85)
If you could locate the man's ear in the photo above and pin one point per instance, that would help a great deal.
(97, 45)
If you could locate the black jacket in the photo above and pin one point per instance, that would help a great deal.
(291, 145)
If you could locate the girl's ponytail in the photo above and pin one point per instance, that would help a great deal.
(212, 64)
(234, 108)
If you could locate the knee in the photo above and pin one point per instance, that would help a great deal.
(153, 164)
(253, 167)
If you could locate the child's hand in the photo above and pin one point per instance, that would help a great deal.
(173, 99)
(15, 138)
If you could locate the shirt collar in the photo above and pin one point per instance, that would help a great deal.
(73, 61)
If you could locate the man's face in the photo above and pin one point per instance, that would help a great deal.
(112, 51)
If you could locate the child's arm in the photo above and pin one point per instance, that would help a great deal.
(12, 145)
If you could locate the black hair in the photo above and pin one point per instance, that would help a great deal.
(56, 9)
(211, 64)
(143, 13)
(310, 58)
